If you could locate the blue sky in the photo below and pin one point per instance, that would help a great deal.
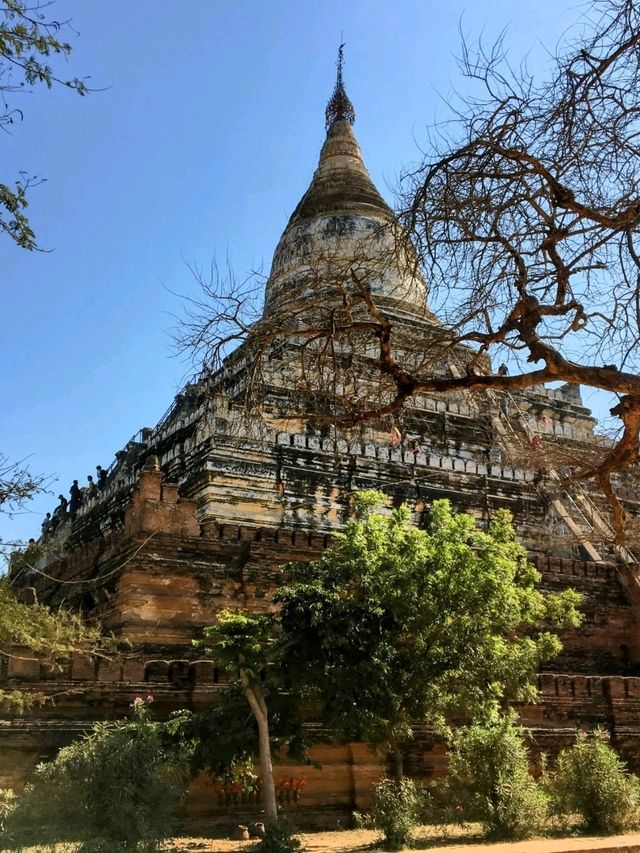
(201, 137)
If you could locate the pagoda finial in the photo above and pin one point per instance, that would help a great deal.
(339, 106)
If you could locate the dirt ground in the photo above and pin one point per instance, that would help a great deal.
(451, 840)
(454, 841)
(343, 841)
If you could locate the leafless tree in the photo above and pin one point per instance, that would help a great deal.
(524, 218)
(17, 486)
(526, 210)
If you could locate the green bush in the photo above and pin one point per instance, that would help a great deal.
(279, 838)
(394, 812)
(112, 789)
(489, 781)
(591, 780)
(8, 802)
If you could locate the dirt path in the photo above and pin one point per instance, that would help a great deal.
(358, 841)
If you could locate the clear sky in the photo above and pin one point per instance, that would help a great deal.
(199, 141)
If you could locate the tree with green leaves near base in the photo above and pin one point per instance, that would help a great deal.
(226, 740)
(395, 625)
(251, 645)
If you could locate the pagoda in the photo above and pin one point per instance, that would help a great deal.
(242, 474)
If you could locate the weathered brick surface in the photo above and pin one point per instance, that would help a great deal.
(172, 565)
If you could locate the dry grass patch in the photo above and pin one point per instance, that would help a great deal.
(338, 841)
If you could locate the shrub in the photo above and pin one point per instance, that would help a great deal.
(112, 789)
(394, 812)
(279, 838)
(8, 802)
(489, 781)
(590, 779)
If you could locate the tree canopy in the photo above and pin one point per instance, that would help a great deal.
(395, 625)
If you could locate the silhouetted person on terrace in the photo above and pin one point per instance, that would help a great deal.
(92, 489)
(76, 498)
(102, 477)
(59, 512)
(503, 370)
(47, 524)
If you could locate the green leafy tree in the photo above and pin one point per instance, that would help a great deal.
(249, 644)
(395, 625)
(225, 739)
(29, 40)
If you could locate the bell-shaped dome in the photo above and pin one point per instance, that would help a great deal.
(343, 230)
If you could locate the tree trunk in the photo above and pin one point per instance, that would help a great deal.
(258, 705)
(398, 762)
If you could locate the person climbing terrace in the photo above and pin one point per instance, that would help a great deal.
(60, 511)
(102, 477)
(503, 370)
(47, 524)
(92, 488)
(76, 498)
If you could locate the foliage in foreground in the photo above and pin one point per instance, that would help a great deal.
(8, 805)
(394, 625)
(279, 837)
(591, 780)
(395, 809)
(112, 789)
(50, 636)
(489, 781)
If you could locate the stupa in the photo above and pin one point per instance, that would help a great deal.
(199, 512)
